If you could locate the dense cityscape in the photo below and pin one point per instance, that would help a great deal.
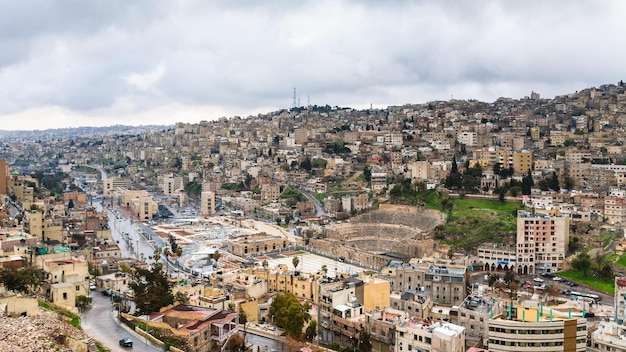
(451, 226)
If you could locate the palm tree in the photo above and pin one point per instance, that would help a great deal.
(156, 255)
(295, 261)
(216, 256)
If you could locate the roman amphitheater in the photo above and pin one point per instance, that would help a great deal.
(391, 231)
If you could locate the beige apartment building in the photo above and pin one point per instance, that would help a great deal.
(522, 162)
(207, 203)
(172, 184)
(270, 192)
(255, 244)
(541, 242)
(75, 196)
(111, 184)
(421, 170)
(445, 284)
(615, 210)
(142, 205)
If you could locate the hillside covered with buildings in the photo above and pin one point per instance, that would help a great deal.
(422, 227)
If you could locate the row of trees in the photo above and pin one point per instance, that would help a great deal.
(596, 267)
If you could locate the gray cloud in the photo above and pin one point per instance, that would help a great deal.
(107, 62)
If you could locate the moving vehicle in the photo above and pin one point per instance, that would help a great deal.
(126, 342)
(586, 295)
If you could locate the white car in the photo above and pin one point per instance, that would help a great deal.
(556, 278)
(538, 279)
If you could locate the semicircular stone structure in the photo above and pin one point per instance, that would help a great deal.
(374, 237)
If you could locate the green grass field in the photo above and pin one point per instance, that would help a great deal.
(607, 286)
(473, 222)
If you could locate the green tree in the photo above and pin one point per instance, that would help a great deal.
(311, 331)
(582, 263)
(152, 290)
(367, 174)
(295, 261)
(554, 182)
(21, 280)
(306, 164)
(455, 168)
(454, 178)
(527, 183)
(574, 244)
(491, 279)
(568, 183)
(289, 314)
(216, 256)
(497, 168)
(82, 302)
(173, 244)
(606, 272)
(181, 297)
(243, 320)
(362, 343)
(544, 184)
(509, 276)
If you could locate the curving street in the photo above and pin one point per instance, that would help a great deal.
(99, 323)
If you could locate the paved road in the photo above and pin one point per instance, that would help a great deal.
(99, 323)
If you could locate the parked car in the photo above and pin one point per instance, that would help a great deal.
(92, 287)
(556, 278)
(538, 279)
(126, 342)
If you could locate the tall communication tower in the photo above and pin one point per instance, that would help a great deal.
(294, 98)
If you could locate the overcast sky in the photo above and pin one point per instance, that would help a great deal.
(104, 62)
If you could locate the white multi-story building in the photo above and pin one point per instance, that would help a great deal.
(467, 138)
(610, 336)
(537, 329)
(497, 258)
(538, 201)
(429, 335)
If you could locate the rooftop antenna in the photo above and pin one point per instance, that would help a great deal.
(294, 98)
